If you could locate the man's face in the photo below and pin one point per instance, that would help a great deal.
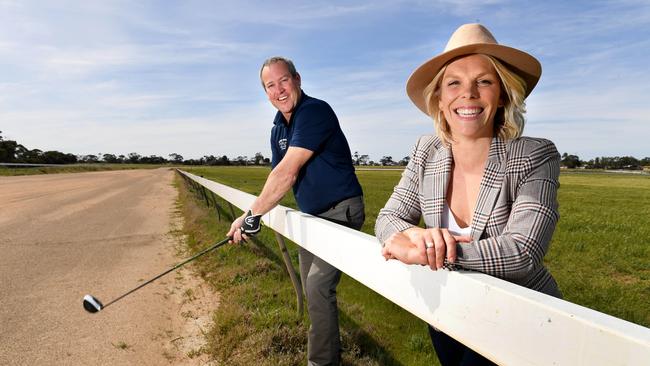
(282, 89)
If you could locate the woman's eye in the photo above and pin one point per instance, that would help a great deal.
(485, 82)
(453, 82)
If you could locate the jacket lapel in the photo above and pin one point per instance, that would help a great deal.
(490, 187)
(436, 179)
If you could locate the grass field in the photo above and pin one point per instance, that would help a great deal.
(73, 168)
(599, 256)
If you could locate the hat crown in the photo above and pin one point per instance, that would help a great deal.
(470, 34)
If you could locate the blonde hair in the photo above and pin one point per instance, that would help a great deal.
(509, 120)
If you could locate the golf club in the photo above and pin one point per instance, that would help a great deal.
(93, 305)
(251, 225)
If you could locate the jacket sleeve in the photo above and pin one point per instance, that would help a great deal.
(402, 210)
(519, 249)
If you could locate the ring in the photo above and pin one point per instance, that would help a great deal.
(428, 245)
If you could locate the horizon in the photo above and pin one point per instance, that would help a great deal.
(251, 157)
(117, 78)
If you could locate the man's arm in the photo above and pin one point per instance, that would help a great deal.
(278, 183)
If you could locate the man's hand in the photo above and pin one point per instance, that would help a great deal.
(245, 224)
(252, 223)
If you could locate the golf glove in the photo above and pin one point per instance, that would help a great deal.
(252, 224)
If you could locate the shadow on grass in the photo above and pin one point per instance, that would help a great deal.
(359, 347)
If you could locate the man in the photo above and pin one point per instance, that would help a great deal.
(310, 154)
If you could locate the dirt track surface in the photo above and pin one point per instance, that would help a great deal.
(103, 233)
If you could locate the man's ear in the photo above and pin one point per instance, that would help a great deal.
(298, 78)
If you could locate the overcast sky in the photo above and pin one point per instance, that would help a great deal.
(161, 77)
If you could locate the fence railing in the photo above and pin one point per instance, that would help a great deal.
(509, 324)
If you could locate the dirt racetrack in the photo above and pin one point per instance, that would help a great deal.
(66, 235)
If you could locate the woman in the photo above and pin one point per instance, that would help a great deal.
(487, 196)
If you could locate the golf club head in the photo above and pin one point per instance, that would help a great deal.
(91, 304)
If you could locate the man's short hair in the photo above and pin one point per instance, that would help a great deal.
(275, 59)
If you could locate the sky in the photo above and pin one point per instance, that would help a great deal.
(162, 77)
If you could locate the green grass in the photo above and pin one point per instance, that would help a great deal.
(599, 256)
(76, 168)
(600, 253)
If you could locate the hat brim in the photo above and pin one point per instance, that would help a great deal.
(523, 64)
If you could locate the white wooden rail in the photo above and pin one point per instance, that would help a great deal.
(509, 324)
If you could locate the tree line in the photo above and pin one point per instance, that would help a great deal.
(363, 160)
(13, 152)
(605, 162)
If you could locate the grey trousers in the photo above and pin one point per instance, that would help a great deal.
(319, 281)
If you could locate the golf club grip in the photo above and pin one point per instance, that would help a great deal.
(204, 251)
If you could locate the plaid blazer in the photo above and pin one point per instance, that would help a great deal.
(515, 214)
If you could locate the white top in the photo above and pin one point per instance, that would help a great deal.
(448, 221)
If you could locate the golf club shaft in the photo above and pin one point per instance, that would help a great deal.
(215, 246)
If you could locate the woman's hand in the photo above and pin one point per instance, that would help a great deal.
(423, 246)
(399, 246)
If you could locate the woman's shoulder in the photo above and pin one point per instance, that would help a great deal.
(530, 146)
(428, 143)
(425, 147)
(525, 154)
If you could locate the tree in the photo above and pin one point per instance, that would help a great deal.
(241, 160)
(570, 161)
(224, 160)
(405, 161)
(152, 159)
(29, 156)
(360, 159)
(7, 150)
(387, 160)
(57, 157)
(258, 159)
(598, 164)
(645, 161)
(91, 159)
(110, 158)
(629, 162)
(210, 160)
(176, 158)
(133, 158)
(363, 160)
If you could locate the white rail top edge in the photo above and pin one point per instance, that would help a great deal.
(509, 324)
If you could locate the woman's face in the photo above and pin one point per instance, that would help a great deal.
(470, 94)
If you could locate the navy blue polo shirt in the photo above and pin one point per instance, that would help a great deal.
(328, 177)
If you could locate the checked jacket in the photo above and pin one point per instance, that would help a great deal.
(515, 214)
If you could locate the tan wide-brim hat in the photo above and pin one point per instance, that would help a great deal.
(470, 39)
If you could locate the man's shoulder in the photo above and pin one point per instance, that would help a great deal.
(311, 105)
